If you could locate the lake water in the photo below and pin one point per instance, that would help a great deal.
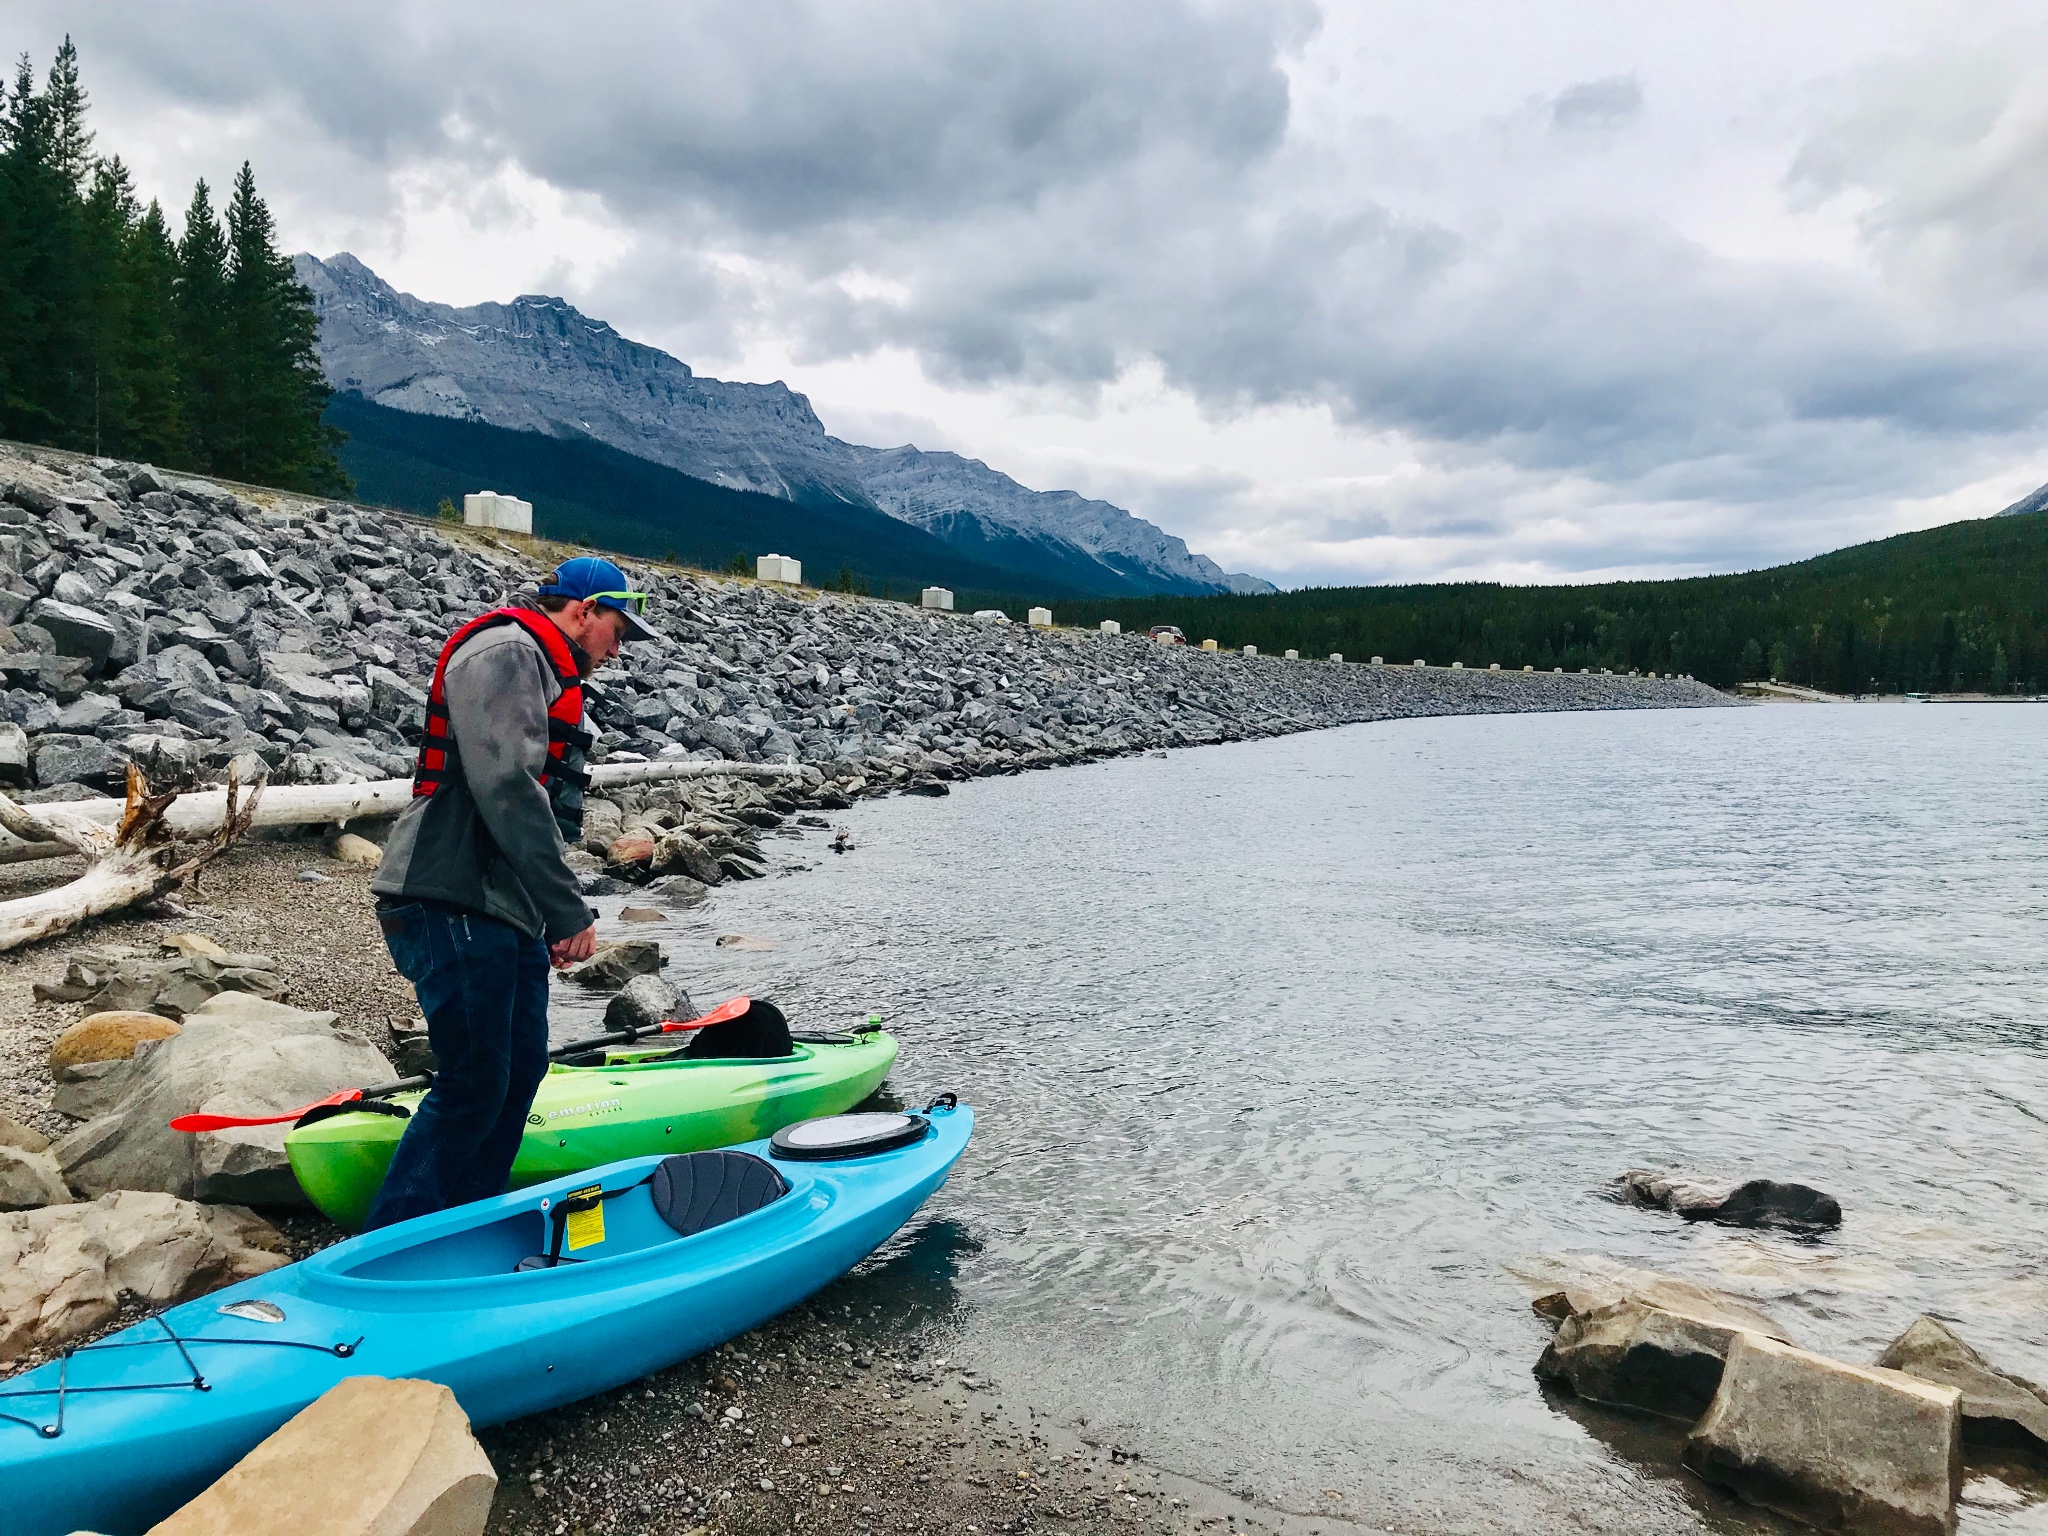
(1303, 1063)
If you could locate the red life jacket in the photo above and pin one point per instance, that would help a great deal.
(565, 715)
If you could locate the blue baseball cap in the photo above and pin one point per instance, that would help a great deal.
(589, 577)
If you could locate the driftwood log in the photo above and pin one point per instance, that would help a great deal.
(205, 811)
(135, 860)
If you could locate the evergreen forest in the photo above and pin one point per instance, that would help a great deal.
(192, 349)
(1961, 608)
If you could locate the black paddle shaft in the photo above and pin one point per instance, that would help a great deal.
(576, 1048)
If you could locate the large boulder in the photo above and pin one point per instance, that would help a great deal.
(65, 1268)
(1629, 1354)
(78, 631)
(1998, 1409)
(1731, 1202)
(1843, 1447)
(369, 1457)
(237, 1055)
(109, 1036)
(644, 1002)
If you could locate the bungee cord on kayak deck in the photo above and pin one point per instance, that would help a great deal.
(196, 1382)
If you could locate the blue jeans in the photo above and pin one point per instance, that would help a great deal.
(483, 986)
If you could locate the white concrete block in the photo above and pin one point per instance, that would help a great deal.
(1337, 657)
(1379, 661)
(1208, 645)
(939, 598)
(1420, 662)
(1493, 666)
(487, 509)
(1111, 627)
(1294, 655)
(1038, 618)
(1528, 669)
(1457, 666)
(779, 568)
(1251, 650)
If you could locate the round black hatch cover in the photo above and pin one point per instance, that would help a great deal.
(842, 1136)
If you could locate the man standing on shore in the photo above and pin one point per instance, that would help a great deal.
(473, 894)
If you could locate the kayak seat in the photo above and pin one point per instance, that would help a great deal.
(696, 1191)
(692, 1192)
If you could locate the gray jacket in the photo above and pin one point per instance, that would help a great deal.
(487, 839)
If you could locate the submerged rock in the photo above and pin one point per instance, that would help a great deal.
(1743, 1203)
(1998, 1409)
(1843, 1447)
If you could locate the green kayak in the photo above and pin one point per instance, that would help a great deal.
(634, 1105)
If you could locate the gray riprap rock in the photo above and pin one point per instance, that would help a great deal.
(77, 631)
(1731, 1202)
(87, 714)
(63, 759)
(394, 700)
(65, 1269)
(239, 568)
(644, 1002)
(237, 1054)
(1843, 1447)
(1998, 1409)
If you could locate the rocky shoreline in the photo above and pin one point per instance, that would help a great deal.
(184, 625)
(188, 627)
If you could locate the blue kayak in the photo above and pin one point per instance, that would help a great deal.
(517, 1304)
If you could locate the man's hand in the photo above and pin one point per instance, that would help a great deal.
(581, 946)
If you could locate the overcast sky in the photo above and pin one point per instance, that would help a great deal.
(1406, 290)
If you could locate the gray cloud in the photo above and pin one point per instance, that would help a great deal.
(1045, 195)
(1597, 105)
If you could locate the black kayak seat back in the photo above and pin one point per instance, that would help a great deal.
(692, 1192)
(696, 1191)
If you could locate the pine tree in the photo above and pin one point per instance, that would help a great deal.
(203, 346)
(156, 420)
(109, 222)
(44, 340)
(65, 101)
(278, 387)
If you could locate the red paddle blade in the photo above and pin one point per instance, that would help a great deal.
(723, 1013)
(231, 1122)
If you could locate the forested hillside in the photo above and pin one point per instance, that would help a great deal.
(1958, 608)
(193, 350)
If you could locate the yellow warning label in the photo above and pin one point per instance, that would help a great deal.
(586, 1228)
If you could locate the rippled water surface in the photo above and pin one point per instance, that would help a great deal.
(1302, 1063)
